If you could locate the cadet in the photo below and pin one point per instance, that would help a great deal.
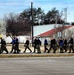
(52, 45)
(45, 45)
(71, 45)
(65, 45)
(61, 44)
(37, 44)
(27, 46)
(3, 46)
(13, 44)
(17, 46)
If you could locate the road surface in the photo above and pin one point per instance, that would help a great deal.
(37, 66)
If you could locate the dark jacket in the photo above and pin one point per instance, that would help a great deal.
(45, 42)
(71, 41)
(27, 42)
(3, 42)
(53, 42)
(37, 42)
(61, 42)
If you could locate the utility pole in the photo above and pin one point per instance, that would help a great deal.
(65, 11)
(32, 21)
(65, 21)
(55, 26)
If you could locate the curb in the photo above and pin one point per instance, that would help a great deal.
(35, 55)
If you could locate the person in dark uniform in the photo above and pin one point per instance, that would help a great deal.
(61, 44)
(17, 50)
(71, 45)
(13, 44)
(3, 46)
(52, 45)
(45, 45)
(27, 46)
(65, 45)
(37, 44)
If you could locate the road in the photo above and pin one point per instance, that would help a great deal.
(37, 66)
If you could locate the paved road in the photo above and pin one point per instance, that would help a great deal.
(37, 66)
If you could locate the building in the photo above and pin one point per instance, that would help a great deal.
(46, 31)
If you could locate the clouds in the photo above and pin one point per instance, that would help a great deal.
(11, 3)
(17, 6)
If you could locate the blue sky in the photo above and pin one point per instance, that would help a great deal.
(17, 6)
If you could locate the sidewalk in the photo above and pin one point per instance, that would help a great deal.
(27, 54)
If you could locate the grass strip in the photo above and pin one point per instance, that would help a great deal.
(34, 55)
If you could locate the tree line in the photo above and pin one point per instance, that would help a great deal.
(20, 24)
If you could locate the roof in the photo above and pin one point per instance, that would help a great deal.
(39, 29)
(53, 31)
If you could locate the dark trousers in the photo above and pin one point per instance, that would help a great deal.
(65, 48)
(16, 49)
(45, 48)
(71, 48)
(52, 47)
(61, 49)
(3, 48)
(38, 49)
(13, 47)
(27, 47)
(35, 47)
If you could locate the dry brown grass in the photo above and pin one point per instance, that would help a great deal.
(34, 55)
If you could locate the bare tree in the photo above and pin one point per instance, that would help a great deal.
(70, 32)
(16, 25)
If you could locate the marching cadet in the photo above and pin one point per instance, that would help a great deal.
(27, 46)
(65, 44)
(17, 50)
(37, 44)
(61, 44)
(3, 46)
(45, 45)
(71, 45)
(13, 44)
(52, 45)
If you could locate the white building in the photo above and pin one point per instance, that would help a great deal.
(46, 31)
